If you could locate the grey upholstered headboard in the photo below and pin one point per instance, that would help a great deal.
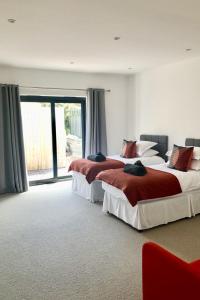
(162, 140)
(192, 142)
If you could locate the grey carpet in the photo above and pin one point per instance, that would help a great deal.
(57, 246)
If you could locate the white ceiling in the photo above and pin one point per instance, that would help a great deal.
(50, 34)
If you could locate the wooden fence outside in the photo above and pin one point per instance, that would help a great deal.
(38, 136)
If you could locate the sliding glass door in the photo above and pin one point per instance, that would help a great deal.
(69, 134)
(54, 135)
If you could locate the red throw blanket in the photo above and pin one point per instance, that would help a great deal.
(155, 184)
(91, 168)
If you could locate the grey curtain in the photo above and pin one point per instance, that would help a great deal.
(12, 159)
(96, 138)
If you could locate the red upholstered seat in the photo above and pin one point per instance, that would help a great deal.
(196, 266)
(167, 277)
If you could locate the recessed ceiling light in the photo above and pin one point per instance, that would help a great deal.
(116, 38)
(11, 20)
(188, 49)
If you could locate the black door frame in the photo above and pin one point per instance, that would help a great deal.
(53, 100)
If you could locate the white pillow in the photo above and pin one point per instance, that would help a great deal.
(150, 153)
(196, 153)
(195, 165)
(143, 146)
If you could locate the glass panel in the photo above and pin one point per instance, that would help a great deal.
(68, 134)
(37, 132)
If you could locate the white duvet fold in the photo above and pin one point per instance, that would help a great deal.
(146, 160)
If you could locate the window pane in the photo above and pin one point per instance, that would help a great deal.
(36, 119)
(68, 134)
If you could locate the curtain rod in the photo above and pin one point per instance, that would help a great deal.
(52, 88)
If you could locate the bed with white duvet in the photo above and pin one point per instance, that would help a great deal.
(150, 213)
(94, 191)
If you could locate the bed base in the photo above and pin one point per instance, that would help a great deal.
(148, 214)
(92, 192)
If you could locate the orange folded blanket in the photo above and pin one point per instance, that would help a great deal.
(91, 168)
(155, 184)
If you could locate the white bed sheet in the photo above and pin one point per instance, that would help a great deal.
(94, 191)
(154, 212)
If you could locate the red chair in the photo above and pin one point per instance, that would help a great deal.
(167, 277)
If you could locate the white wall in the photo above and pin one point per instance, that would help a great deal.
(166, 100)
(116, 100)
(131, 108)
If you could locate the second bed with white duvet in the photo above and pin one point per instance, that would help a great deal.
(150, 213)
